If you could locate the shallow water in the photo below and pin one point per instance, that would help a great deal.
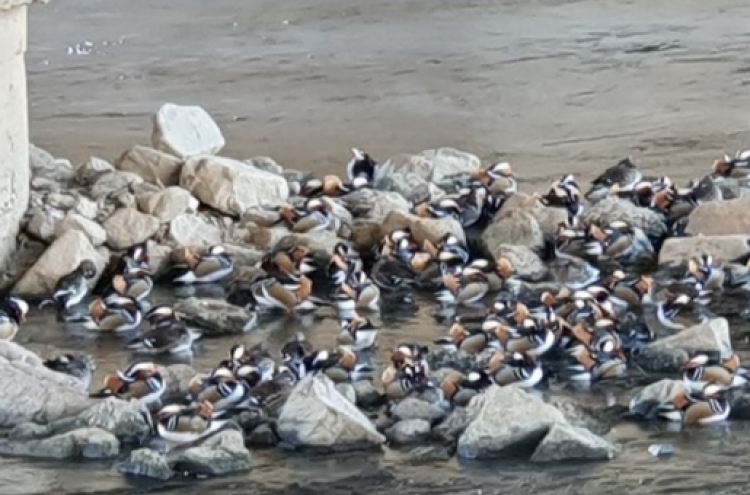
(705, 458)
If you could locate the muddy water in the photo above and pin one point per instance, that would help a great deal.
(552, 85)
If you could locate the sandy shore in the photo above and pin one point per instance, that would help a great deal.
(550, 85)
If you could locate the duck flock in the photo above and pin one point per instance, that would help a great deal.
(606, 299)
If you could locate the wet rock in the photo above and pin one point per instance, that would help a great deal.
(412, 408)
(230, 186)
(316, 416)
(222, 453)
(644, 403)
(148, 463)
(373, 204)
(260, 217)
(611, 209)
(721, 247)
(189, 229)
(431, 229)
(425, 454)
(455, 424)
(73, 221)
(86, 207)
(366, 393)
(88, 172)
(511, 421)
(263, 436)
(185, 131)
(44, 165)
(121, 418)
(126, 227)
(111, 184)
(408, 431)
(347, 391)
(88, 443)
(526, 262)
(44, 224)
(720, 218)
(571, 443)
(402, 173)
(33, 392)
(514, 227)
(660, 359)
(459, 361)
(579, 415)
(177, 377)
(167, 204)
(711, 337)
(59, 259)
(151, 165)
(215, 316)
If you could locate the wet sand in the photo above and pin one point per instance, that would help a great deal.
(551, 85)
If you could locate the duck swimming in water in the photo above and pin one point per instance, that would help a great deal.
(72, 288)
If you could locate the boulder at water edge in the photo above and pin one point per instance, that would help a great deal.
(217, 317)
(316, 416)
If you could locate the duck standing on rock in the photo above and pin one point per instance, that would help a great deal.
(13, 311)
(361, 167)
(212, 267)
(72, 288)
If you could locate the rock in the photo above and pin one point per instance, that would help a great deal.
(60, 201)
(526, 262)
(88, 443)
(45, 223)
(366, 393)
(373, 204)
(365, 234)
(431, 229)
(321, 244)
(429, 454)
(188, 229)
(111, 184)
(33, 392)
(185, 131)
(88, 172)
(168, 204)
(612, 209)
(711, 337)
(511, 421)
(721, 247)
(408, 431)
(316, 416)
(244, 256)
(18, 479)
(177, 377)
(347, 391)
(151, 165)
(59, 259)
(660, 359)
(402, 173)
(216, 316)
(461, 361)
(44, 165)
(230, 186)
(159, 258)
(645, 402)
(121, 418)
(720, 218)
(514, 227)
(126, 227)
(265, 163)
(571, 443)
(740, 404)
(19, 262)
(73, 221)
(263, 436)
(148, 463)
(547, 218)
(455, 424)
(579, 415)
(86, 207)
(222, 453)
(412, 408)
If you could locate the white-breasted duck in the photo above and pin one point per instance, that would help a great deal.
(619, 242)
(357, 333)
(136, 283)
(358, 292)
(459, 389)
(517, 368)
(115, 314)
(290, 294)
(499, 178)
(441, 208)
(142, 382)
(345, 261)
(72, 288)
(223, 390)
(677, 312)
(710, 405)
(180, 424)
(590, 366)
(315, 216)
(341, 365)
(213, 266)
(469, 340)
(13, 312)
(166, 334)
(402, 380)
(625, 174)
(563, 194)
(466, 288)
(361, 165)
(727, 373)
(135, 258)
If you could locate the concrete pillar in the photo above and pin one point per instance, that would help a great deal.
(14, 123)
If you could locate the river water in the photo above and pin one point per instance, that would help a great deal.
(553, 85)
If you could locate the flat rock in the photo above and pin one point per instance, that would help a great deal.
(571, 443)
(216, 316)
(244, 256)
(154, 166)
(612, 209)
(721, 247)
(148, 463)
(189, 229)
(126, 227)
(231, 186)
(59, 259)
(121, 418)
(87, 443)
(367, 394)
(422, 229)
(219, 454)
(185, 131)
(316, 416)
(720, 218)
(321, 244)
(73, 221)
(408, 431)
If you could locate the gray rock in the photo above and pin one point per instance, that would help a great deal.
(720, 218)
(347, 391)
(85, 207)
(425, 454)
(216, 317)
(88, 443)
(412, 408)
(19, 262)
(367, 394)
(265, 163)
(44, 224)
(110, 184)
(648, 398)
(721, 248)
(126, 227)
(579, 415)
(375, 205)
(61, 201)
(244, 256)
(177, 377)
(222, 453)
(316, 416)
(88, 172)
(408, 431)
(422, 229)
(123, 419)
(403, 173)
(612, 209)
(660, 359)
(148, 463)
(185, 131)
(547, 218)
(740, 404)
(712, 336)
(455, 424)
(571, 443)
(263, 436)
(44, 165)
(526, 262)
(460, 361)
(321, 244)
(514, 227)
